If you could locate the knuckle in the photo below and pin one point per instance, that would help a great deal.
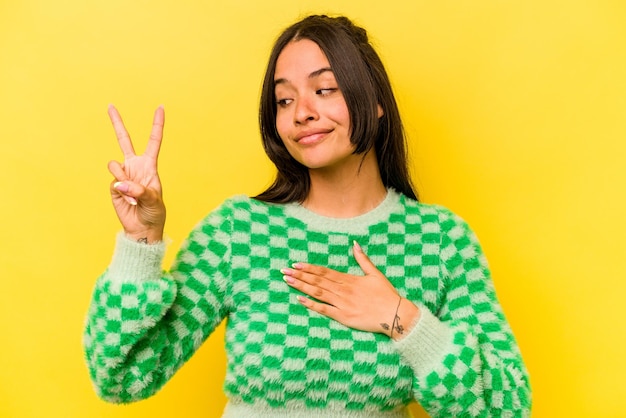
(317, 270)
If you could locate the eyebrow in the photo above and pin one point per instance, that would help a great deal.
(314, 74)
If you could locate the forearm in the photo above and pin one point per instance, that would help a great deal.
(123, 346)
(454, 372)
(129, 301)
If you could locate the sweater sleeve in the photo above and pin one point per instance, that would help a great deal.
(144, 324)
(465, 358)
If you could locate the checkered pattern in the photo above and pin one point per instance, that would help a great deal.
(459, 360)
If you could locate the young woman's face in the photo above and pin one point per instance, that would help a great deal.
(312, 117)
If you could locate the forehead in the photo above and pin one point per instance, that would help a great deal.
(300, 59)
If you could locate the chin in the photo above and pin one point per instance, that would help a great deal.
(321, 161)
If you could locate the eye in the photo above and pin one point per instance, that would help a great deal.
(283, 102)
(326, 92)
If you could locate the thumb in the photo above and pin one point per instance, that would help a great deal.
(364, 262)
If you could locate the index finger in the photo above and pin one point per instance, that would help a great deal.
(156, 135)
(364, 261)
(121, 133)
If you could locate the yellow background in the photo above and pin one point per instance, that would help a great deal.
(516, 112)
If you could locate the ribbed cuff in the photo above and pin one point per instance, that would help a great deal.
(241, 410)
(136, 262)
(427, 343)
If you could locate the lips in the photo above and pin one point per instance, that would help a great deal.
(311, 137)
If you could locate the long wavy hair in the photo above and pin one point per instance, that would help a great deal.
(364, 83)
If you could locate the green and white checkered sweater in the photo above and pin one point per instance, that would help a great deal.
(284, 360)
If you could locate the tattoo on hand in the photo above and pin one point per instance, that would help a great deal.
(396, 321)
(395, 325)
(399, 328)
(143, 240)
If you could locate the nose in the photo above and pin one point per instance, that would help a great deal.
(305, 110)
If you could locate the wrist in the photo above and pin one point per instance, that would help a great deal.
(407, 315)
(149, 236)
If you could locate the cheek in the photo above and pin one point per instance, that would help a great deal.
(282, 125)
(341, 114)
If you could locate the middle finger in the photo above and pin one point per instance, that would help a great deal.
(313, 286)
(316, 278)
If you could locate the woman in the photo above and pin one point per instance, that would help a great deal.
(315, 327)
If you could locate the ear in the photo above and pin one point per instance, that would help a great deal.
(380, 111)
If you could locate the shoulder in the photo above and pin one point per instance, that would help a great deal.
(243, 208)
(434, 217)
(431, 212)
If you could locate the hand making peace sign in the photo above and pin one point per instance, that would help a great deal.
(136, 191)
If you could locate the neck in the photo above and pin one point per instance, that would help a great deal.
(349, 191)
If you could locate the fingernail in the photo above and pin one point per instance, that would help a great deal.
(297, 266)
(287, 271)
(289, 279)
(131, 200)
(357, 246)
(301, 299)
(122, 187)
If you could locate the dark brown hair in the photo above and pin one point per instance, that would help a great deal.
(364, 83)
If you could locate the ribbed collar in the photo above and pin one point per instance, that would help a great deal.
(354, 225)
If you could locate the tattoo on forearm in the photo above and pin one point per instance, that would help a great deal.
(143, 240)
(385, 326)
